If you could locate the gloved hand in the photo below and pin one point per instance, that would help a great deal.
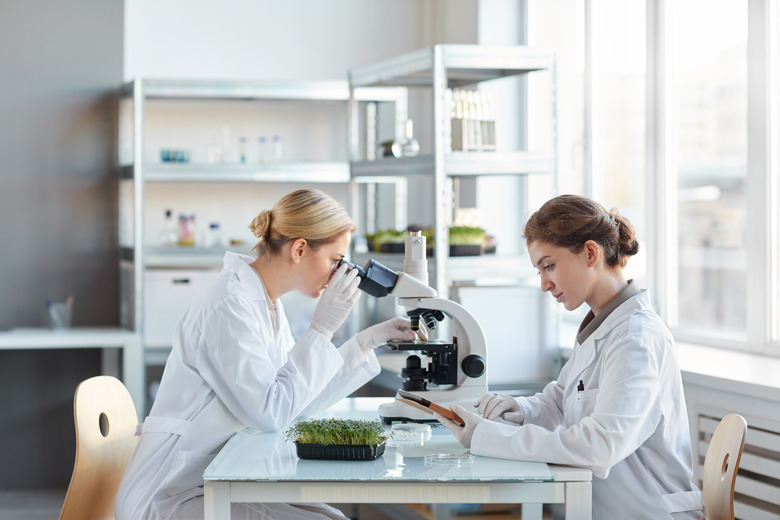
(379, 334)
(336, 301)
(492, 406)
(462, 433)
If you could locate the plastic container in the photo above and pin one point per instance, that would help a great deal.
(409, 434)
(262, 150)
(213, 238)
(277, 148)
(340, 451)
(186, 230)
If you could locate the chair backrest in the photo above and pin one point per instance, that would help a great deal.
(720, 467)
(106, 421)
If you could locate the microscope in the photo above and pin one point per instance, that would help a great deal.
(456, 370)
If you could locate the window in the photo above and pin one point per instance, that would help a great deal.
(679, 122)
(709, 118)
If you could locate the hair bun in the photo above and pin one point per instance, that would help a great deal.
(261, 225)
(627, 243)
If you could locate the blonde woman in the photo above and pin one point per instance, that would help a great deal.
(234, 362)
(618, 406)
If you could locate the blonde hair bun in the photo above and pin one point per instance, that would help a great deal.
(261, 225)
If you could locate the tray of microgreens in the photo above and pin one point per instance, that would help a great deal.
(338, 439)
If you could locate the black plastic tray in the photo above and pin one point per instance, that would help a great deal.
(340, 451)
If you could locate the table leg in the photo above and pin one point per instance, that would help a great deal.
(133, 374)
(216, 500)
(531, 511)
(441, 511)
(578, 504)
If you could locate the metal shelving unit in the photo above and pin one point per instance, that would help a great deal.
(138, 175)
(439, 68)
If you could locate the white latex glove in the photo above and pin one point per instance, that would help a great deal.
(336, 301)
(462, 433)
(492, 406)
(379, 334)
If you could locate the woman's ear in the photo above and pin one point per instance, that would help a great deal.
(592, 253)
(298, 250)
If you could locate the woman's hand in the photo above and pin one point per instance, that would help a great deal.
(336, 301)
(492, 406)
(394, 328)
(462, 433)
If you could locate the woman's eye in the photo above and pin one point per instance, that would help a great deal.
(548, 267)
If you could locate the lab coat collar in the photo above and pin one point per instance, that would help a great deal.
(249, 278)
(585, 352)
(591, 323)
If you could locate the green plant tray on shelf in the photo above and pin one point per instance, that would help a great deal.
(339, 451)
(455, 250)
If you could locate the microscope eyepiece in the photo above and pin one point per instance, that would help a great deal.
(375, 279)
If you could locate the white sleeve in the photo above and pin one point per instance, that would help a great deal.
(358, 369)
(234, 358)
(625, 413)
(544, 408)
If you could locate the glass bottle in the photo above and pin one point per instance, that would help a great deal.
(410, 147)
(168, 235)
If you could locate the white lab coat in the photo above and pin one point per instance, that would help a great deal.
(228, 370)
(629, 424)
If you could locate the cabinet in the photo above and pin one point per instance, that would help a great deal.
(488, 281)
(231, 178)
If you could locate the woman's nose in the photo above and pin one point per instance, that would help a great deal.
(546, 284)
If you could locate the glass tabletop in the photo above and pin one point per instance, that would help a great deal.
(256, 456)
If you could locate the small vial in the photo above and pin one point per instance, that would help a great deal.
(277, 148)
(242, 149)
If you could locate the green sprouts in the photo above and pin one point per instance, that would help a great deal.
(336, 431)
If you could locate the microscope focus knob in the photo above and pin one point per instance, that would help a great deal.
(473, 365)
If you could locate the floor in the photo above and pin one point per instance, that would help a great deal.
(31, 505)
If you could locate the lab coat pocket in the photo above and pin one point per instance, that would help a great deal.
(581, 404)
(190, 468)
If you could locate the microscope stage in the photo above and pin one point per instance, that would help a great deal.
(420, 345)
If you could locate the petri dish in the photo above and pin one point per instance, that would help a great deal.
(409, 433)
(452, 460)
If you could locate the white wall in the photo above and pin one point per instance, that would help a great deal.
(288, 40)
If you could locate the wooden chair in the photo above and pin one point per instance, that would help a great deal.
(720, 467)
(106, 421)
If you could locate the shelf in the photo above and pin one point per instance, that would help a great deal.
(462, 268)
(464, 64)
(457, 164)
(184, 257)
(243, 90)
(326, 172)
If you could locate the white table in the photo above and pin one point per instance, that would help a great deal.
(106, 338)
(263, 467)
